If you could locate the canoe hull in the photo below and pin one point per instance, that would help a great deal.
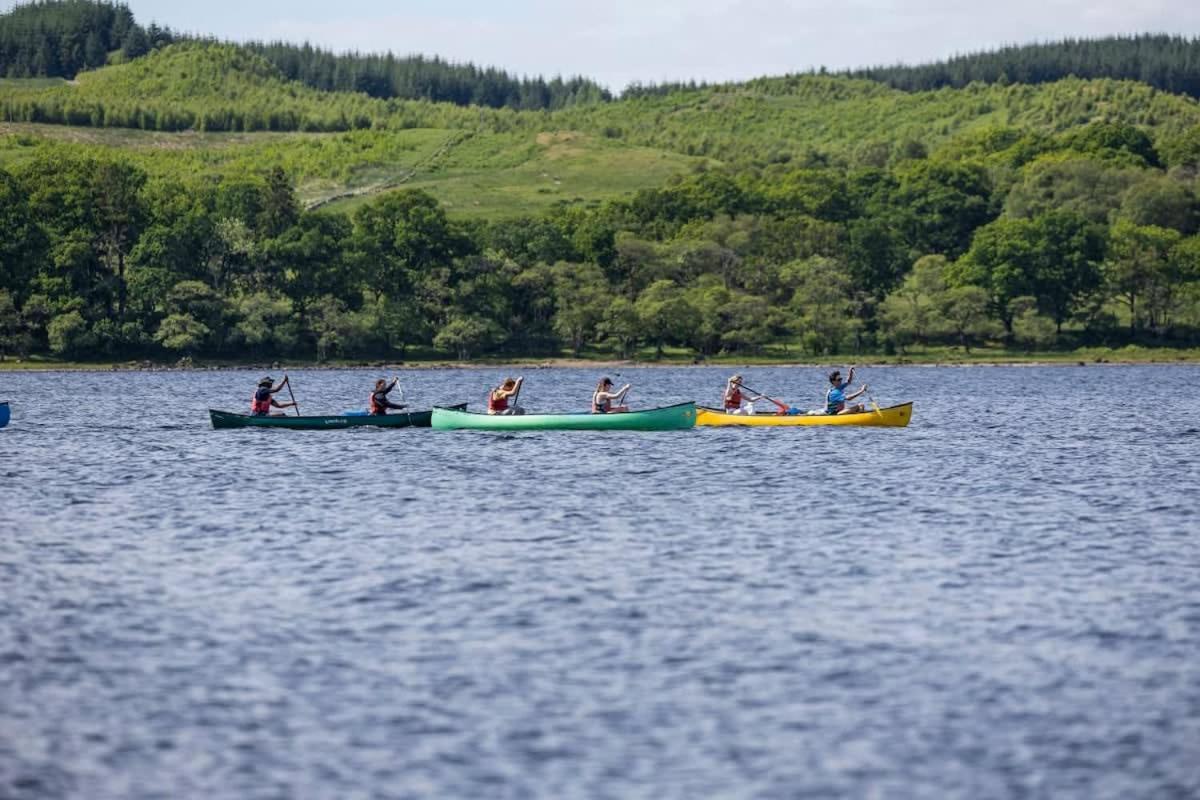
(891, 417)
(668, 418)
(4, 414)
(416, 419)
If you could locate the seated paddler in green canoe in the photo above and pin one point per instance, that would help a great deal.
(264, 397)
(380, 404)
(603, 398)
(503, 399)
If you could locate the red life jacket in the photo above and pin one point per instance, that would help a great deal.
(733, 400)
(376, 408)
(260, 407)
(497, 404)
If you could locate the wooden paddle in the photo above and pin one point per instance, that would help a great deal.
(874, 405)
(782, 406)
(295, 405)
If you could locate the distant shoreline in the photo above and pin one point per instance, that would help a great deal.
(1090, 357)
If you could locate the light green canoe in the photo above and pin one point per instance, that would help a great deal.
(668, 418)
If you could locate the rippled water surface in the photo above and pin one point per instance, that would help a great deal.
(1002, 600)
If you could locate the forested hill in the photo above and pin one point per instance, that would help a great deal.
(223, 88)
(197, 86)
(1168, 63)
(61, 38)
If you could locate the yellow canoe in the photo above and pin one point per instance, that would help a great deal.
(891, 417)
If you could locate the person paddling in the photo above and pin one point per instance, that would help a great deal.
(264, 397)
(732, 399)
(836, 398)
(740, 398)
(379, 398)
(603, 398)
(500, 397)
(735, 401)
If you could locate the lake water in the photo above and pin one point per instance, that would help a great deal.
(1002, 600)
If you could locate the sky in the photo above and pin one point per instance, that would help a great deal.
(617, 42)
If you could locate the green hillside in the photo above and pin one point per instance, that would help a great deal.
(62, 38)
(208, 87)
(488, 162)
(782, 119)
(194, 202)
(492, 176)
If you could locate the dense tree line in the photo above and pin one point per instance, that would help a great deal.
(419, 78)
(1011, 237)
(1168, 63)
(61, 38)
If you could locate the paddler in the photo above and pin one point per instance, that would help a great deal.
(739, 399)
(837, 398)
(379, 398)
(603, 398)
(502, 399)
(734, 401)
(264, 397)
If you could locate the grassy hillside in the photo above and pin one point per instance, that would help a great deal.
(492, 176)
(486, 162)
(784, 119)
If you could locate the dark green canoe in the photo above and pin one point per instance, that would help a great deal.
(413, 419)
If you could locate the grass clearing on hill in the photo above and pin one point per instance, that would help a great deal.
(502, 177)
(494, 176)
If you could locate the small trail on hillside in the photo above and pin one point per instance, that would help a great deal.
(377, 188)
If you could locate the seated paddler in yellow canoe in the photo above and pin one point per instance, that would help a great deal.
(839, 394)
(737, 408)
(740, 398)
